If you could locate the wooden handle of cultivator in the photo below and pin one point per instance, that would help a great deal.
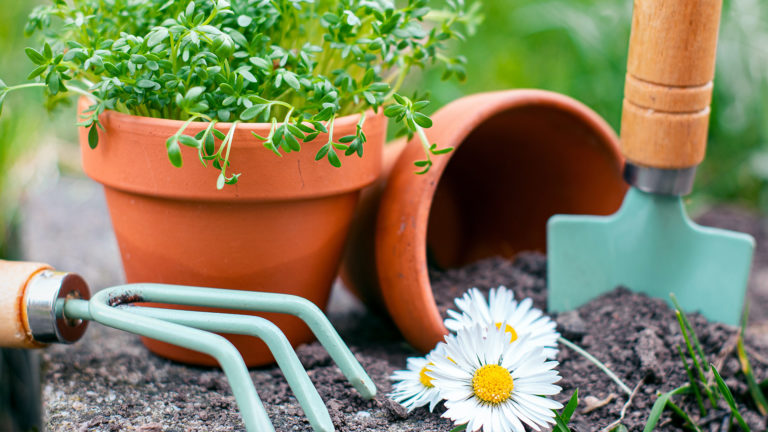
(14, 324)
(668, 88)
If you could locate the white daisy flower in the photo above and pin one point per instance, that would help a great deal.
(414, 387)
(495, 385)
(502, 310)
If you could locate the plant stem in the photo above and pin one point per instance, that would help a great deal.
(596, 362)
(399, 82)
(72, 89)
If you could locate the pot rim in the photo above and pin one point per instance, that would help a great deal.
(139, 164)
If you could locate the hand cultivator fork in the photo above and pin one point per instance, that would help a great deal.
(39, 306)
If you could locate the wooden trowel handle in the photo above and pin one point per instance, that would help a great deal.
(669, 82)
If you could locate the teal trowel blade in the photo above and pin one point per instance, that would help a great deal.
(651, 246)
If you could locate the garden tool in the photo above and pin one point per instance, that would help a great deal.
(39, 305)
(650, 245)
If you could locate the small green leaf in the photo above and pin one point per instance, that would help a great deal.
(147, 84)
(210, 145)
(369, 97)
(422, 120)
(322, 152)
(35, 56)
(174, 151)
(233, 180)
(420, 105)
(138, 59)
(427, 164)
(37, 72)
(330, 18)
(189, 141)
(292, 81)
(244, 20)
(333, 158)
(293, 143)
(459, 428)
(54, 82)
(252, 112)
(379, 87)
(260, 63)
(194, 93)
(393, 110)
(221, 181)
(157, 35)
(435, 151)
(93, 136)
(248, 76)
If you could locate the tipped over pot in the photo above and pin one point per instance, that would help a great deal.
(520, 157)
(281, 228)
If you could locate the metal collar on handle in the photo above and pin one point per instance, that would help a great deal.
(45, 296)
(676, 182)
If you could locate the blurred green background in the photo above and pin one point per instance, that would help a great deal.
(577, 47)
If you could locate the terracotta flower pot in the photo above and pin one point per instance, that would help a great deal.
(281, 228)
(521, 156)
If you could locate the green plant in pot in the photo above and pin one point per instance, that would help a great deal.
(219, 128)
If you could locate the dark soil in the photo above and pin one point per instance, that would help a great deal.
(109, 381)
(112, 383)
(635, 336)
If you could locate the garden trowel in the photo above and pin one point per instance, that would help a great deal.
(650, 245)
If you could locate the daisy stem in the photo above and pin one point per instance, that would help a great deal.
(596, 362)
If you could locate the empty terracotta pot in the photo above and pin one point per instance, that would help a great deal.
(520, 157)
(281, 228)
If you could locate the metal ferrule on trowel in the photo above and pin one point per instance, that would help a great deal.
(650, 245)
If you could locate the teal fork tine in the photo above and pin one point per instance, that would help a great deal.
(278, 344)
(257, 302)
(98, 309)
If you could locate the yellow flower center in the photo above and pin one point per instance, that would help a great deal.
(425, 379)
(509, 329)
(493, 384)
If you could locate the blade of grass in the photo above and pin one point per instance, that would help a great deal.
(570, 408)
(693, 381)
(459, 428)
(746, 368)
(679, 411)
(562, 419)
(660, 405)
(698, 366)
(690, 328)
(726, 392)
